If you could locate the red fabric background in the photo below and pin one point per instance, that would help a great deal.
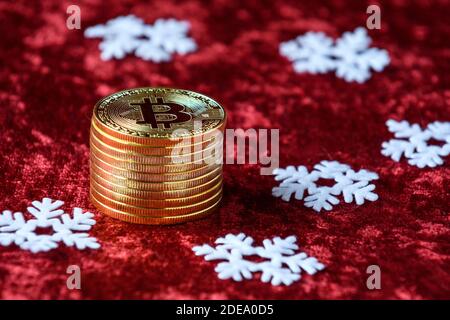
(51, 77)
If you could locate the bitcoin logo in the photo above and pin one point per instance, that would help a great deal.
(140, 113)
(160, 112)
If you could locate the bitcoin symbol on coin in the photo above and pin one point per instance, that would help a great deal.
(161, 112)
(152, 115)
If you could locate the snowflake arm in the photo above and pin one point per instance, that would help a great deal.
(290, 50)
(328, 169)
(310, 53)
(285, 191)
(374, 58)
(352, 72)
(359, 191)
(402, 129)
(45, 210)
(321, 198)
(80, 240)
(122, 25)
(439, 130)
(352, 41)
(294, 181)
(395, 149)
(427, 157)
(211, 253)
(97, 31)
(445, 150)
(276, 275)
(180, 45)
(301, 261)
(278, 246)
(79, 222)
(117, 47)
(290, 174)
(10, 222)
(235, 268)
(147, 50)
(170, 35)
(39, 243)
(203, 250)
(239, 242)
(7, 239)
(361, 175)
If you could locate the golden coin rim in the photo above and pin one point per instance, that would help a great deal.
(138, 168)
(155, 212)
(192, 190)
(130, 144)
(126, 171)
(162, 142)
(163, 170)
(127, 133)
(94, 160)
(130, 218)
(155, 203)
(196, 161)
(149, 186)
(133, 152)
(151, 169)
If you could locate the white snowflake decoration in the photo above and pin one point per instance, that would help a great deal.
(15, 229)
(129, 34)
(281, 264)
(349, 56)
(296, 181)
(413, 143)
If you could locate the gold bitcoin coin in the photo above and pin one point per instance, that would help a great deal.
(156, 155)
(151, 177)
(126, 147)
(155, 212)
(175, 171)
(150, 173)
(141, 172)
(152, 168)
(212, 154)
(158, 116)
(155, 203)
(158, 195)
(154, 186)
(124, 216)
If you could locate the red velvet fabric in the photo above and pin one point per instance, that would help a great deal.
(51, 77)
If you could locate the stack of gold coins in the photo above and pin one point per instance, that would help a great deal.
(156, 155)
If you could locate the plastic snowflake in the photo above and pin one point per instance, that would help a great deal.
(15, 229)
(350, 56)
(296, 181)
(414, 143)
(129, 34)
(281, 265)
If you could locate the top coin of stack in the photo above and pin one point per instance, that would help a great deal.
(156, 155)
